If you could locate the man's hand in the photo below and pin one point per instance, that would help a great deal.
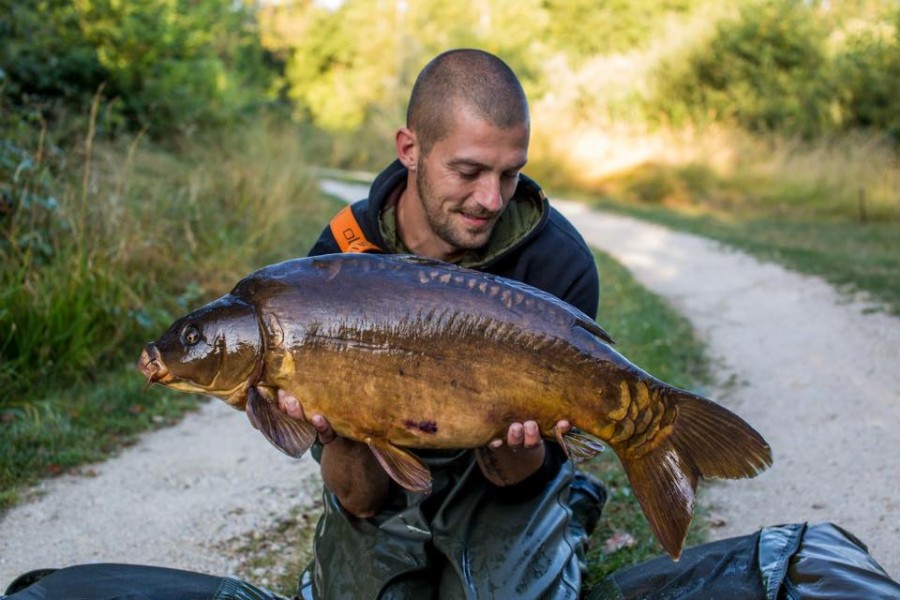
(510, 461)
(349, 469)
(290, 405)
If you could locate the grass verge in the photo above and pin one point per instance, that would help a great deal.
(826, 207)
(856, 257)
(85, 423)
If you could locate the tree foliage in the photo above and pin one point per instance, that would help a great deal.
(868, 71)
(777, 67)
(582, 28)
(360, 58)
(174, 64)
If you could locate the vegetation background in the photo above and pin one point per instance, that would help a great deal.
(152, 152)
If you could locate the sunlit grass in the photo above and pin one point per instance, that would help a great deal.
(828, 207)
(111, 241)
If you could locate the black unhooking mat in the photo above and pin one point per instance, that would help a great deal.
(103, 581)
(786, 562)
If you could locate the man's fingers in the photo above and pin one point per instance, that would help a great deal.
(323, 427)
(515, 435)
(290, 405)
(532, 434)
(523, 435)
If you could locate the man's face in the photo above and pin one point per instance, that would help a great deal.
(467, 179)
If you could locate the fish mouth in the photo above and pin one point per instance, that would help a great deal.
(152, 366)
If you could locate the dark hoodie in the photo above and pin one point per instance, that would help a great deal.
(532, 242)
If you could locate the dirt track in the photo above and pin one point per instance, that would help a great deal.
(811, 370)
(816, 373)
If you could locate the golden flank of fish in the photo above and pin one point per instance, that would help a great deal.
(404, 352)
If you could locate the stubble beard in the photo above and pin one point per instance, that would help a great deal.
(441, 224)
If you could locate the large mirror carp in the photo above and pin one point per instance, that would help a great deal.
(404, 352)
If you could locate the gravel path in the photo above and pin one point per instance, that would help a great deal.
(813, 372)
(817, 374)
(174, 499)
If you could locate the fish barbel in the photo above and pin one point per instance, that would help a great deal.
(404, 352)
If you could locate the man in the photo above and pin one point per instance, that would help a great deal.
(498, 523)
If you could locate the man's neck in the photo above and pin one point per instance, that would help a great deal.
(415, 232)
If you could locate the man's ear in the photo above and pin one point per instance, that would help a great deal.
(407, 148)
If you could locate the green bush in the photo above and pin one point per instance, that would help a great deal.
(868, 72)
(765, 70)
(788, 67)
(171, 66)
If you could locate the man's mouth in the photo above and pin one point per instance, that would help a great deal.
(476, 221)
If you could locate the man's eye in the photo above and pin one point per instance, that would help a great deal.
(190, 336)
(469, 174)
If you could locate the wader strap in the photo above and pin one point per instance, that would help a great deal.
(348, 234)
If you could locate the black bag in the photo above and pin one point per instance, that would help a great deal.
(101, 581)
(787, 562)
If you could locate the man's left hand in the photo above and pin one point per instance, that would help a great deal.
(520, 455)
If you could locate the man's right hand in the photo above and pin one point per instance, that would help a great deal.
(290, 405)
(349, 469)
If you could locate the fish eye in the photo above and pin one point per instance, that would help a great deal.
(190, 336)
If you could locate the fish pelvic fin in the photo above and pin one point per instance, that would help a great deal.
(291, 436)
(578, 445)
(402, 466)
(706, 440)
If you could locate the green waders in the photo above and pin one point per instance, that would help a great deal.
(465, 540)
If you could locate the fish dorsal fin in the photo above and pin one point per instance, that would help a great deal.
(291, 436)
(403, 467)
(579, 446)
(593, 328)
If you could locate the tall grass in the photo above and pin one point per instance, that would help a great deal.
(111, 240)
(106, 243)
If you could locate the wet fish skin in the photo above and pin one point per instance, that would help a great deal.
(402, 352)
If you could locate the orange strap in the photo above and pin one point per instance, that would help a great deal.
(348, 234)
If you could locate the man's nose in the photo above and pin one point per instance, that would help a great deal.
(488, 194)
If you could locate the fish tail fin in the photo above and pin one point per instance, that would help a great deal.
(706, 440)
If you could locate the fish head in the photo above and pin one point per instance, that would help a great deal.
(215, 350)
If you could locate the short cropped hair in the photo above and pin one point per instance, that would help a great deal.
(471, 78)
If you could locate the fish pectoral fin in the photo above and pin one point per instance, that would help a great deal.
(578, 445)
(291, 436)
(402, 466)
